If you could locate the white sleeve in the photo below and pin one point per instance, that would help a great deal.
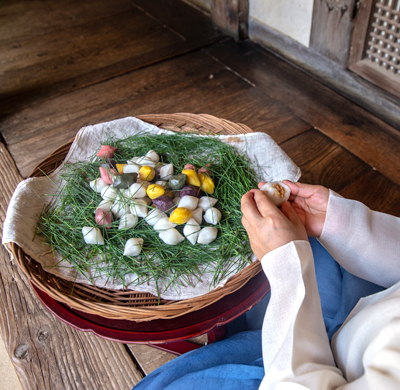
(364, 242)
(296, 351)
(296, 348)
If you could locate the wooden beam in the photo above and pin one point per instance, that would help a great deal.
(231, 16)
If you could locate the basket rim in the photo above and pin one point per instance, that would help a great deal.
(51, 284)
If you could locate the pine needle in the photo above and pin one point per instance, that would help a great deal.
(169, 266)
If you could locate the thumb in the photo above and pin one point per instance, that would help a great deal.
(292, 216)
(301, 190)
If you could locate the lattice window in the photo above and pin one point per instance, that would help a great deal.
(383, 47)
(376, 45)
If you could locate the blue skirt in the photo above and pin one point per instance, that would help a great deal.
(236, 362)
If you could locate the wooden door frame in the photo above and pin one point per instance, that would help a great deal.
(331, 28)
(231, 16)
(364, 67)
(323, 60)
(360, 32)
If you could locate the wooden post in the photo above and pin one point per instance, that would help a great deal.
(361, 23)
(331, 29)
(231, 16)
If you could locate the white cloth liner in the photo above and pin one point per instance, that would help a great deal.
(33, 193)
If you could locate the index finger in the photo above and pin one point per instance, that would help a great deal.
(248, 206)
(264, 205)
(261, 184)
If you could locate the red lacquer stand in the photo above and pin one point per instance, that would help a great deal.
(169, 335)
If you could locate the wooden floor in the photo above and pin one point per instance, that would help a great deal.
(70, 63)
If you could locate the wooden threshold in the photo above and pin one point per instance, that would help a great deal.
(330, 73)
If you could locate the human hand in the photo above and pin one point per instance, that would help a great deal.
(310, 202)
(267, 226)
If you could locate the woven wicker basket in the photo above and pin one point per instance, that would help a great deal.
(128, 304)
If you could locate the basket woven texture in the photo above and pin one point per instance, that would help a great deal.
(129, 304)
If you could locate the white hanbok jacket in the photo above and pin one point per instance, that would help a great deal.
(365, 351)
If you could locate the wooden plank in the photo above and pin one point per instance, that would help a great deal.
(42, 61)
(331, 28)
(324, 162)
(46, 353)
(354, 128)
(26, 18)
(149, 357)
(256, 109)
(23, 100)
(376, 191)
(9, 378)
(117, 45)
(30, 139)
(76, 48)
(180, 17)
(231, 16)
(130, 88)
